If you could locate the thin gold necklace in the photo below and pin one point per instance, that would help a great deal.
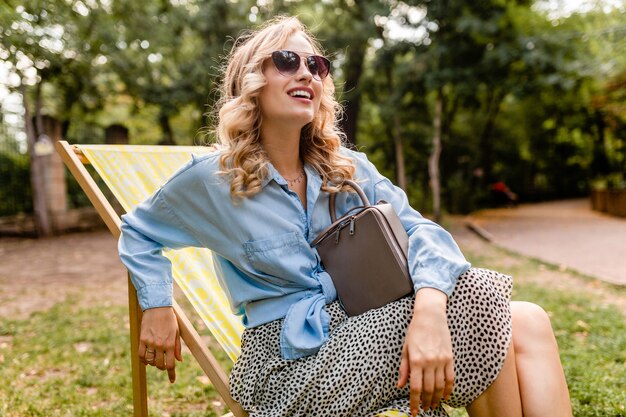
(296, 180)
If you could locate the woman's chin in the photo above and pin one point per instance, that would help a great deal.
(301, 119)
(296, 118)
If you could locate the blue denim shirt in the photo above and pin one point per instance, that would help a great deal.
(261, 245)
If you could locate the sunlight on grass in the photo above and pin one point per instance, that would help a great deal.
(592, 342)
(72, 360)
(591, 334)
(75, 361)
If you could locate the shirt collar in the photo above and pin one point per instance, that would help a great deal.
(272, 174)
(313, 178)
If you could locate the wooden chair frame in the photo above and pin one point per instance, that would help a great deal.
(76, 161)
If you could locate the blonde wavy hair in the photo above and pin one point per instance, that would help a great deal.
(239, 117)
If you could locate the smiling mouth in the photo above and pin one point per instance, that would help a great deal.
(300, 94)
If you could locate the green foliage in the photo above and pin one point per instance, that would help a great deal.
(176, 65)
(15, 191)
(520, 104)
(52, 42)
(529, 99)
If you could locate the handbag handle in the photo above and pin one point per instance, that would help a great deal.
(333, 196)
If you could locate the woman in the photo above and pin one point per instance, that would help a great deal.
(260, 200)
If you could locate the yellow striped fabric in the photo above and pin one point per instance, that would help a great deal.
(133, 173)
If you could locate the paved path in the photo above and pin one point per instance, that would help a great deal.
(565, 233)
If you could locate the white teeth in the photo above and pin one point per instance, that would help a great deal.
(300, 93)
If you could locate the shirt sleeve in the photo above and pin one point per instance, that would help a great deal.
(146, 231)
(434, 258)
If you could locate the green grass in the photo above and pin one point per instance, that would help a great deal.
(74, 361)
(592, 342)
(590, 332)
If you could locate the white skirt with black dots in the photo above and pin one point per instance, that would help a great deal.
(355, 372)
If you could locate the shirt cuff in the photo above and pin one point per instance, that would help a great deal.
(153, 296)
(438, 279)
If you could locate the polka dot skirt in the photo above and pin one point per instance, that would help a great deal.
(355, 372)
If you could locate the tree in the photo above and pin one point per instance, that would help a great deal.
(347, 28)
(45, 43)
(167, 54)
(452, 41)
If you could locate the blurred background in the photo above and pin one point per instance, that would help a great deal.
(510, 101)
(507, 116)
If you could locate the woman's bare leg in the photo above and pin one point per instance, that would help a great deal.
(502, 398)
(542, 384)
(532, 377)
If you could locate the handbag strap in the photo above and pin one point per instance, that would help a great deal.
(333, 196)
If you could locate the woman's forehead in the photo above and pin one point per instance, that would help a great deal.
(298, 42)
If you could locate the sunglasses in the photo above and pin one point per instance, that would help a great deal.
(288, 63)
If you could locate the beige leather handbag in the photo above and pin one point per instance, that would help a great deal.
(365, 253)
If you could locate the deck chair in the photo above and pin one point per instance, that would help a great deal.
(132, 173)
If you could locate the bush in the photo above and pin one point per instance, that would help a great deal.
(15, 189)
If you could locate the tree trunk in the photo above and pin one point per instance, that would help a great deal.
(396, 133)
(486, 142)
(65, 127)
(38, 115)
(399, 147)
(37, 180)
(168, 135)
(448, 116)
(116, 134)
(600, 163)
(352, 94)
(433, 160)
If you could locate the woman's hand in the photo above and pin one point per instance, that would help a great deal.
(427, 352)
(159, 342)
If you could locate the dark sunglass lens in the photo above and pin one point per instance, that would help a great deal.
(286, 61)
(313, 65)
(319, 66)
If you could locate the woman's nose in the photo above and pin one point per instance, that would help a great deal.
(303, 70)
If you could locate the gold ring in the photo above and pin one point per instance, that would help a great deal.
(152, 354)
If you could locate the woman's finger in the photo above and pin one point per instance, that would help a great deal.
(404, 368)
(172, 356)
(416, 383)
(141, 352)
(169, 359)
(171, 374)
(428, 387)
(170, 364)
(159, 361)
(449, 375)
(150, 356)
(439, 387)
(178, 348)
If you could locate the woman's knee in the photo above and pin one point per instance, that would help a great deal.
(532, 330)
